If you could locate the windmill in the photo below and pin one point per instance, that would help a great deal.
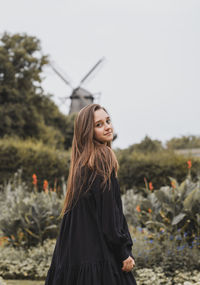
(80, 97)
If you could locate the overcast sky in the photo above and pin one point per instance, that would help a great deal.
(150, 81)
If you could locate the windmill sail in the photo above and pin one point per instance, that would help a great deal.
(80, 97)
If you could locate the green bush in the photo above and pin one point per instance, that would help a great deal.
(28, 218)
(32, 263)
(50, 163)
(154, 166)
(33, 157)
(174, 210)
(165, 251)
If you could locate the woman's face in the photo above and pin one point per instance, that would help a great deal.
(103, 129)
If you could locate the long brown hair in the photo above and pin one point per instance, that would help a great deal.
(87, 156)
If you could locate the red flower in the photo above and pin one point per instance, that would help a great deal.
(173, 183)
(3, 240)
(34, 179)
(189, 162)
(138, 208)
(45, 186)
(151, 186)
(149, 210)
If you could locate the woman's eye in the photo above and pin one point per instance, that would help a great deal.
(101, 123)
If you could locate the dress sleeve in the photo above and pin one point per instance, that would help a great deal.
(113, 222)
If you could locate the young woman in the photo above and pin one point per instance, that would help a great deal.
(94, 244)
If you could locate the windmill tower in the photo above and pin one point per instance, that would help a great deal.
(80, 97)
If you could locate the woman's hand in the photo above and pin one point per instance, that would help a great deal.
(128, 264)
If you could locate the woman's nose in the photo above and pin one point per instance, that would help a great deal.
(107, 126)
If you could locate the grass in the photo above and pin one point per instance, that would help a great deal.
(24, 282)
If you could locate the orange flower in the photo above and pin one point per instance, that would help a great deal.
(12, 237)
(21, 234)
(149, 210)
(34, 179)
(173, 183)
(45, 186)
(189, 162)
(3, 240)
(150, 186)
(138, 208)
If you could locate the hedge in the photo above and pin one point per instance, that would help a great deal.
(33, 157)
(156, 167)
(49, 163)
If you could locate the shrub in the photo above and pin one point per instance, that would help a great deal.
(155, 166)
(33, 157)
(28, 218)
(164, 250)
(32, 263)
(174, 209)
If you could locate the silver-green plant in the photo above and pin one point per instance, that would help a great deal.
(28, 217)
(171, 209)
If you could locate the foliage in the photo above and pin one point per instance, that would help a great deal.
(69, 130)
(33, 157)
(184, 142)
(50, 163)
(155, 166)
(28, 218)
(146, 145)
(31, 263)
(19, 92)
(164, 224)
(160, 249)
(25, 110)
(173, 210)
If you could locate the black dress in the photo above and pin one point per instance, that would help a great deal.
(93, 241)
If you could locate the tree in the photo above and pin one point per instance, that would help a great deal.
(25, 110)
(184, 142)
(20, 90)
(147, 145)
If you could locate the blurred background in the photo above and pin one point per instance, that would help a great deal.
(141, 61)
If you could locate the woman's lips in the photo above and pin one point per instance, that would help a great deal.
(110, 133)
